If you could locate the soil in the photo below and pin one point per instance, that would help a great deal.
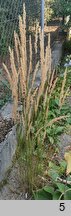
(12, 188)
(5, 127)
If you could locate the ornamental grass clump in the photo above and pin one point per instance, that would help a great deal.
(32, 119)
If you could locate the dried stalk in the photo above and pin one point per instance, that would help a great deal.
(51, 123)
(61, 100)
(63, 181)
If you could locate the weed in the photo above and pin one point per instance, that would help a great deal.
(58, 188)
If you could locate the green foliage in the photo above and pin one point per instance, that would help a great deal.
(33, 9)
(34, 149)
(67, 47)
(62, 8)
(5, 92)
(48, 10)
(54, 112)
(37, 150)
(56, 190)
(68, 58)
(9, 12)
(59, 8)
(44, 194)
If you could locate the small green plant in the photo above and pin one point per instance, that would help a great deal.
(58, 188)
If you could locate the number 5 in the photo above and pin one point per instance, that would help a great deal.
(62, 207)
